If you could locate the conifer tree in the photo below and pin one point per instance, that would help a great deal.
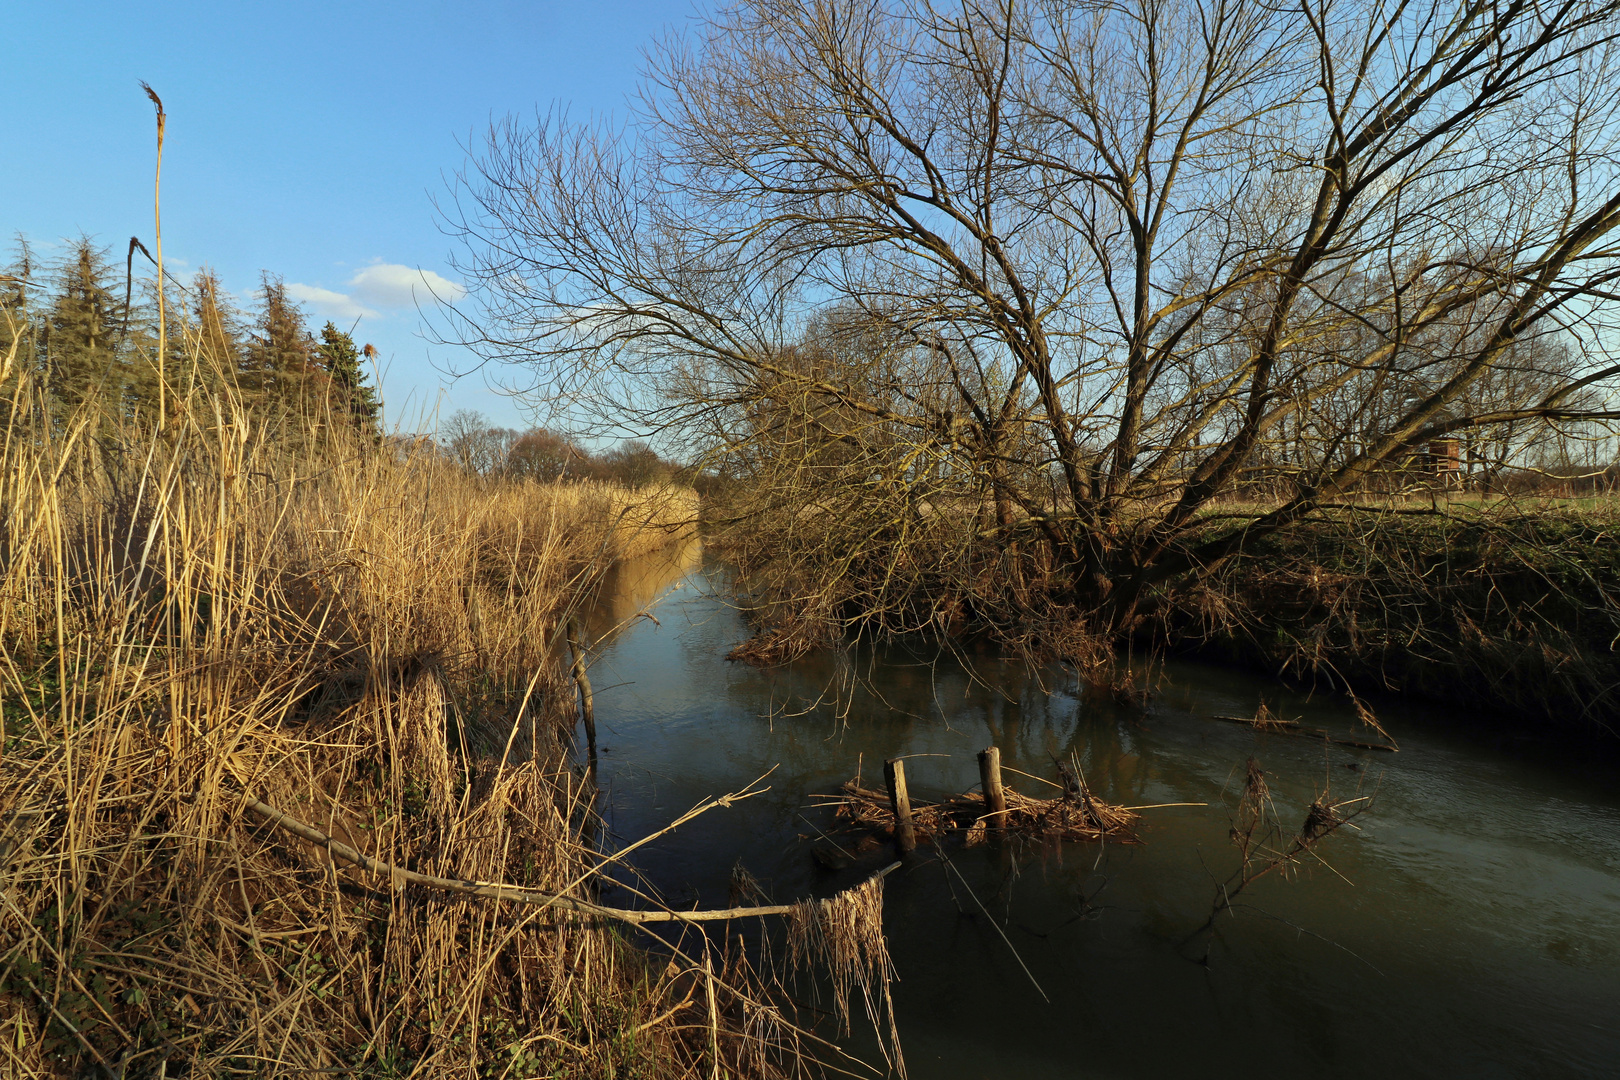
(80, 335)
(351, 396)
(280, 373)
(17, 331)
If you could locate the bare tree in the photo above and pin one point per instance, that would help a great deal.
(474, 444)
(1043, 281)
(546, 456)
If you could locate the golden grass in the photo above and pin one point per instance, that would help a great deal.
(626, 523)
(195, 618)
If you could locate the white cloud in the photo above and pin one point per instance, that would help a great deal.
(390, 285)
(326, 302)
(379, 287)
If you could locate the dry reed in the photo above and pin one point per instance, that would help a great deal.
(843, 935)
(202, 615)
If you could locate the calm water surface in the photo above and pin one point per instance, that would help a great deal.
(1470, 928)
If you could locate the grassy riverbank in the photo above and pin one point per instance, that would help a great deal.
(364, 640)
(1511, 606)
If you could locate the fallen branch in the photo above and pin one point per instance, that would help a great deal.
(516, 894)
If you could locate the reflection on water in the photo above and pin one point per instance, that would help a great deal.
(1471, 928)
(632, 586)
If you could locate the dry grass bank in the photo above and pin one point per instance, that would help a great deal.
(1510, 605)
(1506, 603)
(611, 522)
(364, 642)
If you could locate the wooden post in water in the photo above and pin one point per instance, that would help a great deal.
(581, 679)
(905, 835)
(995, 798)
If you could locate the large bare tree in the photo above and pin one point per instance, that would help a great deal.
(1046, 280)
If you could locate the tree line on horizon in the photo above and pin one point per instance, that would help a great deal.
(549, 457)
(90, 337)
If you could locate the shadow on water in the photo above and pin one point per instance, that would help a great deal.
(1472, 926)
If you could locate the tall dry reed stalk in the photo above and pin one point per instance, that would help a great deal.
(206, 612)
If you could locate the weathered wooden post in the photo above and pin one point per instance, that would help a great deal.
(583, 680)
(905, 835)
(995, 797)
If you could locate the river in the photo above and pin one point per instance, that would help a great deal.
(1469, 927)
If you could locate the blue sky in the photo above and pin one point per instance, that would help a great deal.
(305, 139)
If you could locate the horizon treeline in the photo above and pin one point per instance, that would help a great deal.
(551, 457)
(88, 331)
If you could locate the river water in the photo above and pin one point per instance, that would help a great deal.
(1470, 927)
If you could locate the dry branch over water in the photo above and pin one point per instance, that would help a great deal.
(1266, 847)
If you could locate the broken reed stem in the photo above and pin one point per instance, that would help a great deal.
(157, 229)
(714, 1016)
(513, 893)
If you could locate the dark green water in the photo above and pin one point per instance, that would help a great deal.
(1470, 928)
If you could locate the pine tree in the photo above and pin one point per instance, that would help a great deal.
(80, 335)
(279, 372)
(18, 338)
(19, 329)
(351, 396)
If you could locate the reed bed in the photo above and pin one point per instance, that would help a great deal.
(627, 522)
(210, 613)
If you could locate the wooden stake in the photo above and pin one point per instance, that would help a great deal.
(583, 680)
(995, 797)
(905, 835)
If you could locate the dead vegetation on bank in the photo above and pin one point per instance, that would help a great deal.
(1504, 604)
(210, 615)
(1509, 605)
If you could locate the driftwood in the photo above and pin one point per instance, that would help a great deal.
(582, 680)
(399, 876)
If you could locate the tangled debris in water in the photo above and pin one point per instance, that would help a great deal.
(1076, 815)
